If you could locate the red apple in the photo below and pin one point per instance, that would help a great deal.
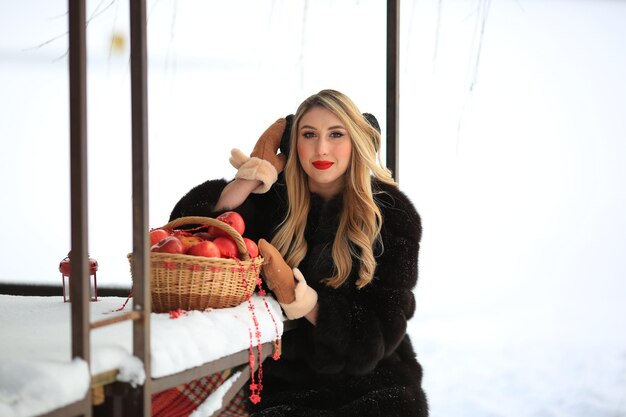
(170, 244)
(253, 249)
(231, 218)
(156, 235)
(227, 246)
(205, 248)
(179, 233)
(188, 241)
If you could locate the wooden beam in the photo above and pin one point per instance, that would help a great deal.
(209, 368)
(131, 315)
(393, 57)
(79, 282)
(142, 402)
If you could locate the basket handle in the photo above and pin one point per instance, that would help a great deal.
(244, 255)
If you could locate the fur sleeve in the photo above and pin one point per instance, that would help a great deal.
(261, 212)
(357, 328)
(200, 200)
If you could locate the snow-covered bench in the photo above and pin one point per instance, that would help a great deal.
(38, 376)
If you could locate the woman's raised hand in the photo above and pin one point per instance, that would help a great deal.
(264, 163)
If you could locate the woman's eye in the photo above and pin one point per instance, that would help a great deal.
(308, 135)
(336, 134)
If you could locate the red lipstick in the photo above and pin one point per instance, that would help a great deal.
(322, 164)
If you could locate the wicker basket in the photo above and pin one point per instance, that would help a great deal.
(197, 283)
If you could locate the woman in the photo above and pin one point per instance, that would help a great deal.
(337, 218)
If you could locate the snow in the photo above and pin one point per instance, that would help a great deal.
(514, 157)
(214, 402)
(37, 374)
(29, 387)
(523, 363)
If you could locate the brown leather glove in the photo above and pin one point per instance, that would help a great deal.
(267, 146)
(292, 292)
(264, 163)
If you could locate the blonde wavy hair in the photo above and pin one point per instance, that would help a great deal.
(359, 227)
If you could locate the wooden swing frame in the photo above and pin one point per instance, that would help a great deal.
(124, 400)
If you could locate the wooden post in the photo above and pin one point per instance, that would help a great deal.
(393, 37)
(141, 283)
(79, 285)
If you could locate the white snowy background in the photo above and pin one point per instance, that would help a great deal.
(512, 141)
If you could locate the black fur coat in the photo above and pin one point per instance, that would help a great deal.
(357, 360)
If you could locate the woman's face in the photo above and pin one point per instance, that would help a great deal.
(324, 149)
